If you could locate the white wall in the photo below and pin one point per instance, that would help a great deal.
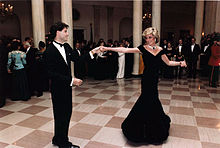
(86, 17)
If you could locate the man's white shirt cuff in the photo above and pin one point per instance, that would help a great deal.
(71, 84)
(91, 55)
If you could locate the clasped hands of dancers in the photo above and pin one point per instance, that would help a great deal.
(152, 49)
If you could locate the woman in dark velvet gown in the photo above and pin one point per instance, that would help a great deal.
(147, 122)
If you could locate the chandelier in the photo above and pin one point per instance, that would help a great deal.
(6, 9)
(147, 16)
(6, 12)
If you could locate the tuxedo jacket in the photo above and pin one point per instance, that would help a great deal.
(193, 56)
(129, 61)
(205, 55)
(30, 56)
(58, 70)
(180, 55)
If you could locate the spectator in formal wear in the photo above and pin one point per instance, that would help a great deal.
(31, 66)
(162, 67)
(112, 61)
(116, 43)
(205, 55)
(214, 62)
(15, 66)
(192, 55)
(101, 62)
(129, 59)
(121, 63)
(29, 40)
(3, 70)
(164, 44)
(57, 59)
(168, 70)
(180, 53)
(41, 75)
(79, 65)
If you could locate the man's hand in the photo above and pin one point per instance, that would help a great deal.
(183, 63)
(77, 82)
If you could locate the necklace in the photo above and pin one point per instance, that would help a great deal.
(152, 47)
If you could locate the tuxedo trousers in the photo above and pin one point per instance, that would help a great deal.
(62, 109)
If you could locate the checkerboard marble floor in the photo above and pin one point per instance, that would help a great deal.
(99, 107)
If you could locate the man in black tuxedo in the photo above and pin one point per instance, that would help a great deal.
(58, 57)
(180, 53)
(79, 66)
(204, 57)
(129, 60)
(3, 72)
(31, 67)
(192, 56)
(112, 61)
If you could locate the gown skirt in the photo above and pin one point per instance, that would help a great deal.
(147, 122)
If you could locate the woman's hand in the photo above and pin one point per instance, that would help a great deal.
(183, 63)
(102, 48)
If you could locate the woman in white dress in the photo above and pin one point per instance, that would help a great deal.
(121, 64)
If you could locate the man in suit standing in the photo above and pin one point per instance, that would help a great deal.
(3, 72)
(193, 53)
(58, 57)
(31, 66)
(129, 60)
(180, 53)
(79, 66)
(204, 57)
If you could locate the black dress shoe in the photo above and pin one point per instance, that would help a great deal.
(71, 146)
(67, 145)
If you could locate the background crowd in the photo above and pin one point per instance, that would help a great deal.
(22, 73)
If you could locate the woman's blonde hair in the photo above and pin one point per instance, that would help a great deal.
(153, 31)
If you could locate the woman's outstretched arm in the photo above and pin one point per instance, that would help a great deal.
(173, 63)
(120, 49)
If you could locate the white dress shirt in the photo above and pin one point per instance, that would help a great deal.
(192, 47)
(61, 50)
(63, 53)
(180, 48)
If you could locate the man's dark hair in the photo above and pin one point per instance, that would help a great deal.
(59, 26)
(41, 44)
(217, 37)
(127, 40)
(15, 45)
(27, 38)
(110, 41)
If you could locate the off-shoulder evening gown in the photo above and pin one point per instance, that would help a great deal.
(147, 121)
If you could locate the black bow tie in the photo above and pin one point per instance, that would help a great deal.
(61, 45)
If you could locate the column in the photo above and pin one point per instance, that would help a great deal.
(104, 23)
(67, 17)
(38, 21)
(137, 32)
(211, 16)
(199, 20)
(213, 13)
(217, 26)
(96, 23)
(110, 21)
(156, 14)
